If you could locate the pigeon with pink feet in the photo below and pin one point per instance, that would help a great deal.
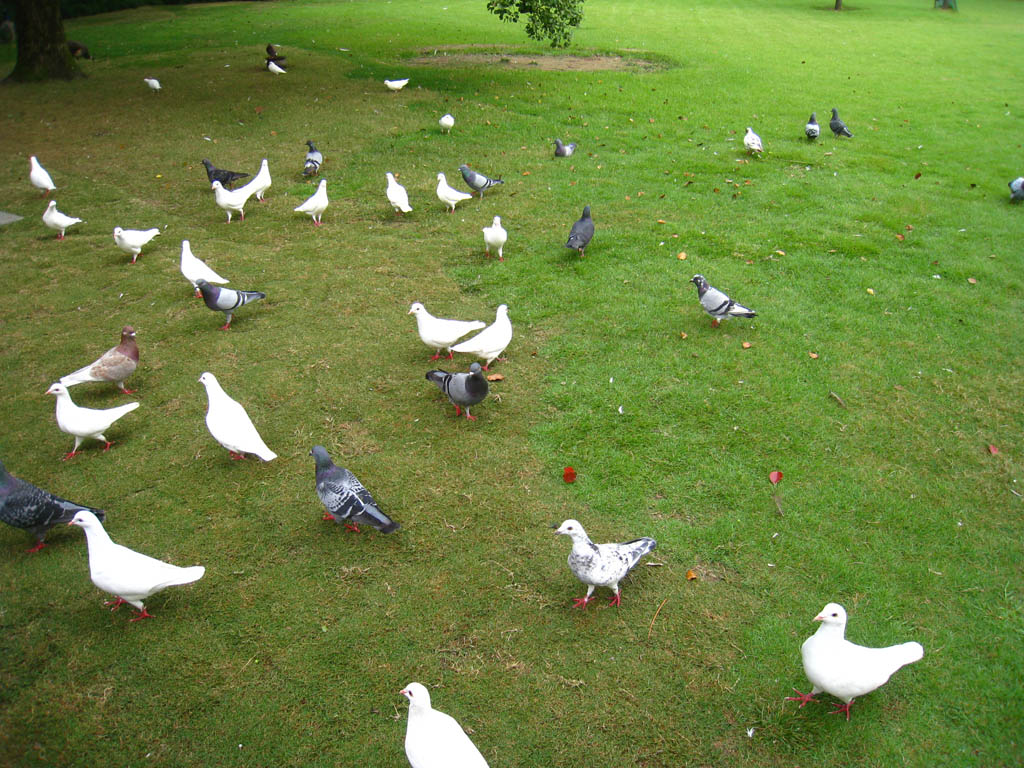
(601, 565)
(85, 423)
(345, 499)
(440, 333)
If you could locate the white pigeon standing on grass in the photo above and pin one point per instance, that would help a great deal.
(232, 200)
(717, 304)
(439, 333)
(601, 565)
(275, 69)
(128, 575)
(39, 178)
(752, 141)
(152, 82)
(495, 238)
(260, 182)
(195, 269)
(85, 422)
(491, 341)
(447, 122)
(1016, 189)
(230, 425)
(396, 85)
(846, 670)
(434, 739)
(397, 195)
(316, 204)
(448, 194)
(132, 241)
(54, 219)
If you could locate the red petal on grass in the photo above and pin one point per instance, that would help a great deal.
(992, 449)
(569, 475)
(775, 477)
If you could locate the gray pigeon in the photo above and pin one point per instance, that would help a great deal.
(345, 498)
(812, 130)
(226, 300)
(581, 232)
(717, 304)
(601, 565)
(1017, 189)
(23, 505)
(477, 181)
(838, 126)
(564, 150)
(226, 178)
(462, 389)
(313, 161)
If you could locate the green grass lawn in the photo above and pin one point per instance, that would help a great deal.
(292, 649)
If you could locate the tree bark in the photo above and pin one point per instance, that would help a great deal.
(42, 47)
(839, 5)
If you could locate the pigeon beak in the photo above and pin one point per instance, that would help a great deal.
(819, 618)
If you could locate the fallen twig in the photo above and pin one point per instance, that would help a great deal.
(651, 628)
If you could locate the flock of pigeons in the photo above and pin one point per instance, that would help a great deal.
(433, 739)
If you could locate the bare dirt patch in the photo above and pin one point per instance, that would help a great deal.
(460, 57)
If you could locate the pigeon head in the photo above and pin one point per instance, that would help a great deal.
(416, 308)
(207, 163)
(496, 222)
(417, 694)
(311, 147)
(118, 231)
(835, 112)
(204, 287)
(207, 379)
(321, 457)
(586, 212)
(502, 310)
(571, 528)
(475, 368)
(127, 333)
(216, 185)
(57, 389)
(85, 519)
(700, 282)
(52, 205)
(440, 177)
(814, 117)
(833, 613)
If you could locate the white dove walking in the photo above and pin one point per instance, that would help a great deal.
(39, 178)
(439, 333)
(495, 238)
(54, 219)
(601, 565)
(152, 82)
(434, 739)
(843, 669)
(195, 269)
(752, 141)
(449, 195)
(396, 85)
(232, 200)
(230, 425)
(316, 204)
(84, 422)
(128, 575)
(447, 122)
(491, 341)
(397, 195)
(132, 241)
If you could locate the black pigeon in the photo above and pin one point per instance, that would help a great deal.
(272, 56)
(812, 130)
(838, 126)
(23, 505)
(345, 498)
(564, 150)
(581, 232)
(78, 51)
(462, 389)
(313, 160)
(226, 300)
(226, 178)
(477, 181)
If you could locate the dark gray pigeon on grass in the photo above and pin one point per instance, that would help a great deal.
(477, 181)
(601, 565)
(838, 126)
(581, 233)
(313, 160)
(717, 304)
(812, 130)
(346, 500)
(462, 389)
(226, 300)
(23, 505)
(226, 178)
(564, 150)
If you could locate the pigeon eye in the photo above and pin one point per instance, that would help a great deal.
(835, 614)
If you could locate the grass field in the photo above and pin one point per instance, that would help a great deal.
(292, 649)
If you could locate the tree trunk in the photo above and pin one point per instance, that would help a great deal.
(839, 5)
(42, 48)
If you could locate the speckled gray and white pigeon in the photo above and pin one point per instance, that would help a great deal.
(314, 159)
(838, 126)
(226, 300)
(478, 182)
(581, 233)
(812, 130)
(347, 502)
(601, 565)
(1017, 189)
(462, 389)
(717, 304)
(26, 506)
(564, 150)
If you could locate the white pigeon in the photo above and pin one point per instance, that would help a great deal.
(260, 183)
(152, 82)
(1017, 189)
(84, 422)
(275, 69)
(397, 195)
(752, 141)
(396, 85)
(128, 575)
(601, 565)
(495, 237)
(39, 177)
(316, 204)
(231, 200)
(447, 122)
(194, 268)
(449, 195)
(491, 341)
(439, 333)
(54, 219)
(230, 425)
(434, 739)
(132, 240)
(843, 669)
